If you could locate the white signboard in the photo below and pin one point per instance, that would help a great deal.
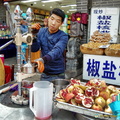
(105, 20)
(103, 67)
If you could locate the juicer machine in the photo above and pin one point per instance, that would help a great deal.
(20, 38)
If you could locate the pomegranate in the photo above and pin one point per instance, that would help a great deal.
(91, 92)
(69, 96)
(70, 88)
(62, 93)
(104, 94)
(97, 107)
(108, 101)
(83, 87)
(74, 81)
(100, 101)
(94, 82)
(72, 101)
(79, 97)
(113, 96)
(108, 110)
(112, 88)
(87, 102)
(60, 99)
(77, 90)
(99, 84)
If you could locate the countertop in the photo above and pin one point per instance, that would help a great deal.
(11, 111)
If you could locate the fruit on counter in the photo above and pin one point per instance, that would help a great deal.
(100, 101)
(96, 82)
(74, 81)
(104, 94)
(77, 90)
(113, 96)
(87, 102)
(72, 101)
(69, 96)
(63, 93)
(97, 107)
(108, 109)
(58, 98)
(79, 97)
(99, 84)
(112, 88)
(83, 86)
(108, 101)
(95, 94)
(92, 92)
(70, 88)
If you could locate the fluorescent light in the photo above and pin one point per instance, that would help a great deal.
(73, 10)
(46, 1)
(29, 1)
(74, 5)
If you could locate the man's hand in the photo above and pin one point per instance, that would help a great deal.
(40, 63)
(35, 28)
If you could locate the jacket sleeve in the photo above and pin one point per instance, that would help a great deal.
(35, 45)
(59, 48)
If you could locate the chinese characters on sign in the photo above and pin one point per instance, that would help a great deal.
(108, 69)
(103, 21)
(103, 67)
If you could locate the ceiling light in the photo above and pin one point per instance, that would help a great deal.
(72, 9)
(74, 5)
(46, 1)
(29, 1)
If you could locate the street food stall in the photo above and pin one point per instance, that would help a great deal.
(90, 99)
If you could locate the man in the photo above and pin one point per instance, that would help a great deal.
(52, 43)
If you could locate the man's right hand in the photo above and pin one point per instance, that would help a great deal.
(35, 28)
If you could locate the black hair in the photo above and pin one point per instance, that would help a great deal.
(58, 12)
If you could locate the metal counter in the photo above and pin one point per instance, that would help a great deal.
(8, 113)
(11, 111)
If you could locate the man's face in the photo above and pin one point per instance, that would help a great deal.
(54, 22)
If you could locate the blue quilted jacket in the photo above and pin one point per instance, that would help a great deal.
(54, 46)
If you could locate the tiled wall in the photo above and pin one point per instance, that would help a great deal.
(82, 5)
(106, 3)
